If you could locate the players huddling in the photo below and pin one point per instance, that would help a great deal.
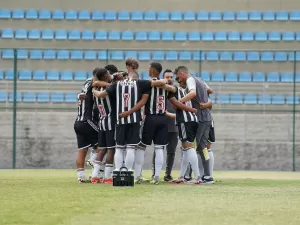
(110, 113)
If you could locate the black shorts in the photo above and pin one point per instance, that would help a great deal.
(155, 129)
(128, 134)
(87, 135)
(211, 136)
(187, 131)
(106, 139)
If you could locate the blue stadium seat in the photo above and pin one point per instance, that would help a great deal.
(295, 16)
(215, 16)
(3, 96)
(49, 54)
(7, 33)
(202, 16)
(90, 55)
(39, 75)
(114, 35)
(8, 54)
(87, 35)
(287, 77)
(53, 75)
(66, 75)
(11, 97)
(163, 16)
(21, 34)
(29, 97)
(110, 15)
(198, 55)
(239, 56)
(273, 77)
(36, 54)
(234, 36)
(205, 75)
(144, 56)
(31, 14)
(261, 36)
(253, 56)
(58, 15)
(229, 16)
(176, 16)
(141, 36)
(290, 100)
(226, 56)
(217, 77)
(34, 34)
(71, 15)
(80, 75)
(25, 74)
(90, 74)
(76, 55)
(146, 76)
(18, 14)
(194, 36)
(242, 16)
(57, 97)
(282, 16)
(180, 36)
(207, 36)
(5, 14)
(74, 35)
(70, 98)
(124, 15)
(130, 54)
(212, 56)
(220, 36)
(171, 55)
(247, 36)
(255, 16)
(61, 35)
(47, 34)
(236, 99)
(158, 55)
(267, 57)
(288, 36)
(269, 16)
(187, 16)
(22, 54)
(137, 16)
(212, 97)
(127, 35)
(9, 74)
(245, 77)
(97, 15)
(231, 77)
(149, 16)
(223, 99)
(154, 36)
(102, 55)
(43, 97)
(63, 54)
(259, 77)
(280, 56)
(264, 99)
(250, 99)
(167, 36)
(116, 55)
(185, 55)
(297, 36)
(274, 36)
(101, 35)
(1, 75)
(278, 100)
(44, 15)
(84, 15)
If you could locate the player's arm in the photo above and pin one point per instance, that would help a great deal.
(137, 107)
(206, 105)
(181, 106)
(169, 88)
(171, 115)
(99, 83)
(81, 96)
(191, 86)
(99, 94)
(158, 83)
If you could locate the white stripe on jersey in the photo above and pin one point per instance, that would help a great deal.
(118, 100)
(152, 100)
(183, 132)
(135, 100)
(82, 110)
(128, 103)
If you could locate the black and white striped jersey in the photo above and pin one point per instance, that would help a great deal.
(181, 115)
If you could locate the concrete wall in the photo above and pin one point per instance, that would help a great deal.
(245, 141)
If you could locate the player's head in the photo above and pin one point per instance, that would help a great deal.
(132, 65)
(182, 73)
(133, 76)
(168, 74)
(111, 68)
(102, 74)
(155, 69)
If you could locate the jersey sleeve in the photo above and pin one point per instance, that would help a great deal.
(191, 84)
(111, 90)
(172, 95)
(144, 86)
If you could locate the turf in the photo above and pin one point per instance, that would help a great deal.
(54, 197)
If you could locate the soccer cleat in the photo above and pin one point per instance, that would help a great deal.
(138, 181)
(95, 180)
(81, 180)
(89, 163)
(168, 178)
(187, 178)
(180, 180)
(143, 179)
(207, 180)
(155, 182)
(108, 181)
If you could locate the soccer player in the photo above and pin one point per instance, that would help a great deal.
(197, 93)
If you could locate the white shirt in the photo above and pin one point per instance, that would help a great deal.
(191, 84)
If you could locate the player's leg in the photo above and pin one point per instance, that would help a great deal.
(171, 149)
(132, 139)
(211, 139)
(120, 136)
(93, 156)
(110, 146)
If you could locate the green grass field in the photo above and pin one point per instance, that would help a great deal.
(238, 198)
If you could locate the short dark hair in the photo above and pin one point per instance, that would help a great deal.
(157, 66)
(183, 69)
(167, 71)
(133, 63)
(100, 73)
(111, 68)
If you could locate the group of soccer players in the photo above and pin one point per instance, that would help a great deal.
(119, 115)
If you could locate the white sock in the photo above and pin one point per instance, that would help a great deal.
(159, 160)
(81, 173)
(184, 163)
(108, 171)
(118, 158)
(93, 155)
(139, 161)
(193, 160)
(211, 161)
(201, 169)
(129, 159)
(96, 169)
